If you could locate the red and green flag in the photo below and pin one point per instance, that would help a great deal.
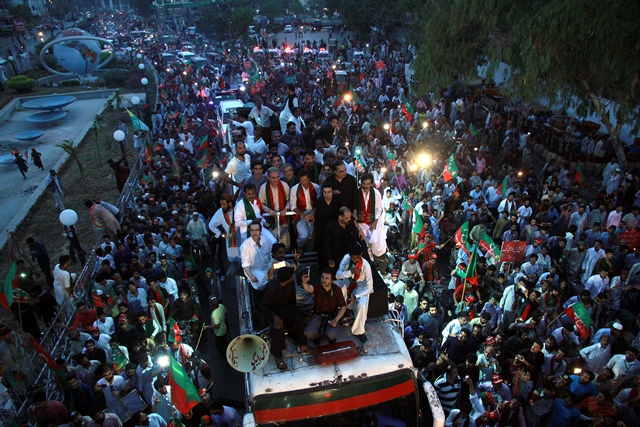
(204, 161)
(489, 246)
(354, 95)
(580, 178)
(470, 274)
(184, 395)
(203, 142)
(406, 202)
(472, 130)
(51, 363)
(418, 225)
(502, 190)
(183, 122)
(581, 317)
(462, 236)
(407, 109)
(174, 331)
(21, 296)
(119, 360)
(10, 282)
(450, 169)
(175, 115)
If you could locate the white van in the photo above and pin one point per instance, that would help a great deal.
(185, 56)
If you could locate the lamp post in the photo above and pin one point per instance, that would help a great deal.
(135, 101)
(13, 65)
(141, 67)
(69, 218)
(130, 50)
(119, 136)
(145, 82)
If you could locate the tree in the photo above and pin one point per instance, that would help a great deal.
(240, 19)
(296, 8)
(22, 11)
(272, 9)
(361, 15)
(226, 18)
(142, 6)
(577, 53)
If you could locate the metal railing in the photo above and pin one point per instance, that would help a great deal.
(54, 340)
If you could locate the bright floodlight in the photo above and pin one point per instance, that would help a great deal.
(163, 361)
(347, 97)
(423, 159)
(386, 126)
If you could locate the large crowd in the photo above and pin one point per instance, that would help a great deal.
(514, 281)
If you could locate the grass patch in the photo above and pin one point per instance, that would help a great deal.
(42, 221)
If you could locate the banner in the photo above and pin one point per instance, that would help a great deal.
(380, 65)
(629, 238)
(513, 251)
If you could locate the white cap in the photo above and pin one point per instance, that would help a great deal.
(617, 326)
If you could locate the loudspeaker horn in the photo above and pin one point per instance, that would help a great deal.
(247, 353)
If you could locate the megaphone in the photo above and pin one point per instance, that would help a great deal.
(247, 353)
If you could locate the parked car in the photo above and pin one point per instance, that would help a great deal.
(288, 29)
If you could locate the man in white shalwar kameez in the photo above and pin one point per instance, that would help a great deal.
(355, 273)
(590, 259)
(255, 254)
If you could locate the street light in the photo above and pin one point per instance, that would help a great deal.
(130, 50)
(13, 65)
(145, 82)
(139, 56)
(119, 136)
(135, 101)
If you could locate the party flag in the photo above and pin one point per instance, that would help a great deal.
(472, 130)
(450, 170)
(580, 316)
(184, 395)
(6, 295)
(580, 178)
(51, 363)
(502, 190)
(462, 236)
(407, 109)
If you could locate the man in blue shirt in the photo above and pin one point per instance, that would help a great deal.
(581, 386)
(564, 413)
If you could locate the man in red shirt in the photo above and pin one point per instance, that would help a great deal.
(599, 405)
(85, 318)
(329, 307)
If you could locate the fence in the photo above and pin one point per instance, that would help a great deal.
(55, 341)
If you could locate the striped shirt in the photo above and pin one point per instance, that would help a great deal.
(448, 393)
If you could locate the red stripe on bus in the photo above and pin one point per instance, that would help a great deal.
(334, 407)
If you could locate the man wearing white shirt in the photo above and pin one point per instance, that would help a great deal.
(625, 365)
(356, 271)
(454, 327)
(221, 224)
(261, 114)
(597, 355)
(255, 253)
(597, 283)
(508, 205)
(248, 210)
(241, 121)
(256, 145)
(169, 285)
(302, 200)
(274, 195)
(591, 257)
(239, 167)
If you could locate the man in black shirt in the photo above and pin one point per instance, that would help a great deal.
(279, 307)
(344, 184)
(327, 209)
(326, 132)
(458, 347)
(339, 236)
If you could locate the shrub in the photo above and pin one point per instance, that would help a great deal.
(21, 83)
(67, 83)
(115, 78)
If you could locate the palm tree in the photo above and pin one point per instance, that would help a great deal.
(98, 130)
(73, 153)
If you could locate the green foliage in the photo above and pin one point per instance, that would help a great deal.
(226, 18)
(142, 6)
(272, 9)
(361, 15)
(81, 24)
(73, 153)
(115, 78)
(38, 47)
(241, 18)
(21, 83)
(578, 53)
(22, 11)
(70, 83)
(296, 8)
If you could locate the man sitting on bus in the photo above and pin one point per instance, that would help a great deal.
(357, 281)
(329, 307)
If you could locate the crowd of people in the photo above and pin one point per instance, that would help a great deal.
(426, 192)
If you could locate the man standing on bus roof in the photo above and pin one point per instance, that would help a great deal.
(279, 307)
(355, 273)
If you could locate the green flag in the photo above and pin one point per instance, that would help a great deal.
(417, 227)
(137, 123)
(6, 294)
(488, 245)
(184, 395)
(450, 170)
(354, 95)
(118, 357)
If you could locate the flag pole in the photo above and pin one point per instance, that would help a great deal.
(550, 323)
(200, 337)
